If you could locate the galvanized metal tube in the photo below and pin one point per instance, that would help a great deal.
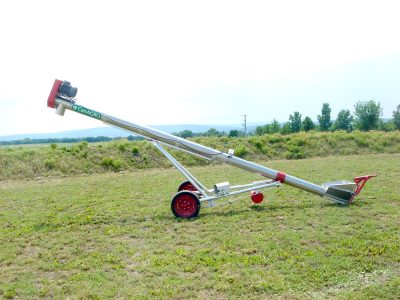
(194, 148)
(271, 173)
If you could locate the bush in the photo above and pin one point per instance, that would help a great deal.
(106, 161)
(275, 139)
(258, 145)
(65, 149)
(50, 164)
(83, 145)
(53, 146)
(135, 150)
(117, 164)
(122, 147)
(294, 152)
(241, 151)
(111, 163)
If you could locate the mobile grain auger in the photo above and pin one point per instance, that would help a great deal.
(192, 194)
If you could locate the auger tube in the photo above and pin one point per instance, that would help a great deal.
(341, 192)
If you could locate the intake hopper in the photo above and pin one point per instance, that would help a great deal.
(345, 191)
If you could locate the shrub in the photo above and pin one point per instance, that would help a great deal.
(106, 161)
(135, 150)
(275, 139)
(117, 164)
(122, 147)
(83, 145)
(298, 141)
(111, 163)
(65, 149)
(294, 152)
(53, 146)
(241, 151)
(50, 164)
(361, 141)
(75, 149)
(258, 145)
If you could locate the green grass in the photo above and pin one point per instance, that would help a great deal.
(113, 235)
(83, 158)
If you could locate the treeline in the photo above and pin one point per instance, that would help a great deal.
(211, 132)
(28, 141)
(366, 117)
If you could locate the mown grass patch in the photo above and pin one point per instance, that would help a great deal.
(113, 235)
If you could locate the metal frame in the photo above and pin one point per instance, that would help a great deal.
(209, 195)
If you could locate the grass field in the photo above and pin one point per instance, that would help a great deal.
(113, 235)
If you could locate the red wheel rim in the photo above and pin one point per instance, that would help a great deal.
(185, 205)
(187, 186)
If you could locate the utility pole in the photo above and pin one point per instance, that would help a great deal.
(245, 125)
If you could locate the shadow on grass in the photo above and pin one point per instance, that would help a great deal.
(283, 206)
(263, 208)
(206, 213)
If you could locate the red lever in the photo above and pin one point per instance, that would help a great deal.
(361, 181)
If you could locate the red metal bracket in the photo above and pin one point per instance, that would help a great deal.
(51, 101)
(361, 181)
(280, 177)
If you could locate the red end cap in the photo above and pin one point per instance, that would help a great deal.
(51, 101)
(280, 177)
(256, 197)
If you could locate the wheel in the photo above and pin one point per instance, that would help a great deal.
(185, 205)
(187, 186)
(256, 196)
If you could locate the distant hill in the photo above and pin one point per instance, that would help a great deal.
(115, 132)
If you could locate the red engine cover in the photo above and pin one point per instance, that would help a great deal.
(51, 101)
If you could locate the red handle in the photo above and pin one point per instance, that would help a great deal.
(361, 181)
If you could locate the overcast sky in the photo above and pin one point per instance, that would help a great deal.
(197, 62)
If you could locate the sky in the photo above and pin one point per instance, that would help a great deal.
(195, 62)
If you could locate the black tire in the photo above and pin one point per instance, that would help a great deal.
(187, 186)
(185, 204)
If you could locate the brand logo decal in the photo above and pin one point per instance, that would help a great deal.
(85, 111)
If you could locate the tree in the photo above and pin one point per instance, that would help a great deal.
(275, 126)
(396, 117)
(285, 129)
(234, 133)
(295, 122)
(212, 132)
(259, 130)
(386, 125)
(308, 124)
(344, 120)
(324, 119)
(264, 129)
(185, 134)
(367, 115)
